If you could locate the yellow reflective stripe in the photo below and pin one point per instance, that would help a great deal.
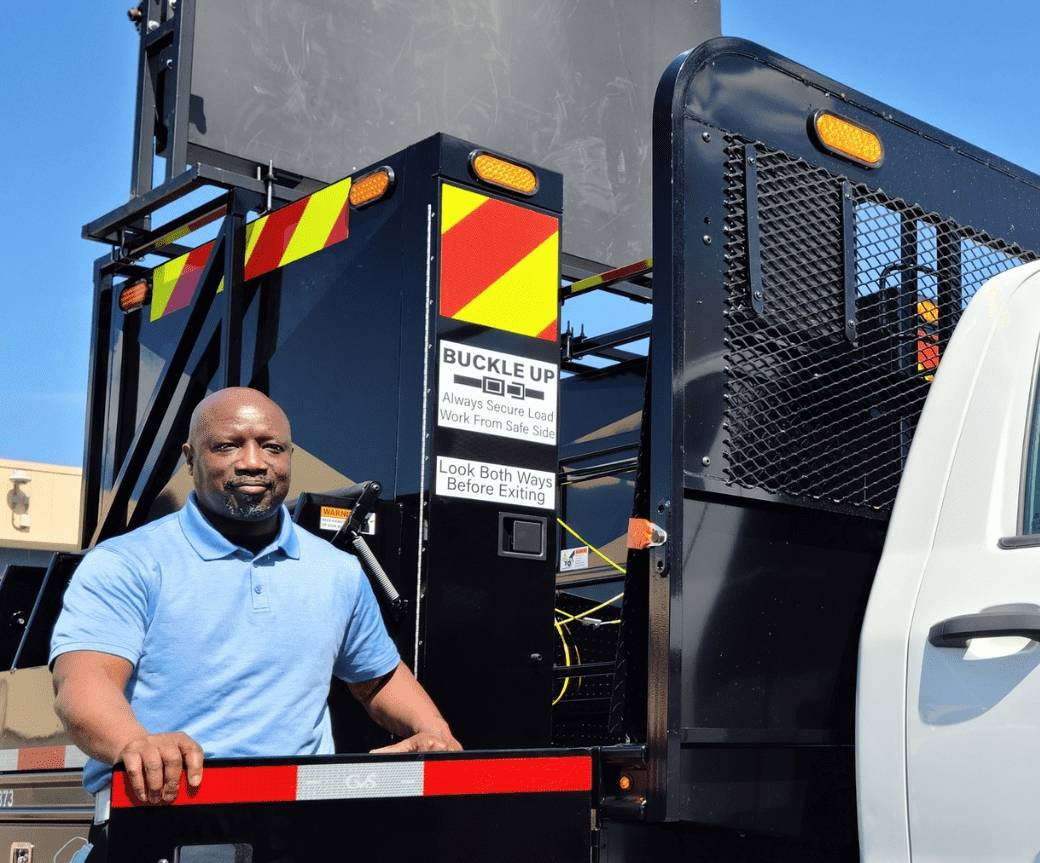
(253, 231)
(523, 300)
(456, 204)
(164, 280)
(315, 225)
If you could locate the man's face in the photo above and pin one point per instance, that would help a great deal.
(240, 459)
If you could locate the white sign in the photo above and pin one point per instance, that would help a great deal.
(574, 558)
(497, 483)
(495, 393)
(334, 517)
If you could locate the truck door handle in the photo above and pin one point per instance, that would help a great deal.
(956, 631)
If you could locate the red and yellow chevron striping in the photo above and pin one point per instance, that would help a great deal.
(500, 263)
(285, 235)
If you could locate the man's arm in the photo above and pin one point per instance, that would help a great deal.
(399, 703)
(89, 700)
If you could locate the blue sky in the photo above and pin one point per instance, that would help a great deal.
(66, 114)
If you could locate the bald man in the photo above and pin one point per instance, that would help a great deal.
(214, 632)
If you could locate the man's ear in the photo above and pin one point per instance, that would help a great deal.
(189, 457)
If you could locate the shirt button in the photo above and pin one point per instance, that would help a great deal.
(258, 589)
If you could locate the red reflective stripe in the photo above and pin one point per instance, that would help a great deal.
(224, 785)
(549, 332)
(274, 239)
(41, 758)
(340, 228)
(189, 278)
(507, 775)
(486, 245)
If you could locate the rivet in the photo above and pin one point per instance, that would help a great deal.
(705, 461)
(706, 240)
(705, 137)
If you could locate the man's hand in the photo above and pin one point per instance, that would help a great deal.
(154, 764)
(398, 703)
(424, 741)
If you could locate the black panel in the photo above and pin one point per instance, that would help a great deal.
(34, 648)
(322, 88)
(771, 618)
(19, 587)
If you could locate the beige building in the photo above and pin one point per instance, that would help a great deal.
(40, 511)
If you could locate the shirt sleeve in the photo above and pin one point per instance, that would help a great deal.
(106, 608)
(367, 651)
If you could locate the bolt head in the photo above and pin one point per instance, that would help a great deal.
(153, 26)
(706, 239)
(705, 461)
(705, 137)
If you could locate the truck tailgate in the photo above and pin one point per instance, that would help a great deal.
(501, 806)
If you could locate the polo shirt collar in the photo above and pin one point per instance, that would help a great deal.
(211, 544)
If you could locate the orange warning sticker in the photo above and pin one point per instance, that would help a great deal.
(500, 263)
(333, 517)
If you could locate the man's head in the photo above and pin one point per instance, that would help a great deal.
(238, 451)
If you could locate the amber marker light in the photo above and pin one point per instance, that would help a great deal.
(506, 175)
(625, 782)
(847, 139)
(373, 186)
(133, 296)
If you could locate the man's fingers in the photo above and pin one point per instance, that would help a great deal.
(171, 757)
(193, 755)
(153, 774)
(401, 746)
(422, 742)
(135, 775)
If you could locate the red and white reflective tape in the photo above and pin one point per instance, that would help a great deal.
(368, 779)
(41, 758)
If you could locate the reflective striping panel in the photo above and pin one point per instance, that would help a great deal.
(440, 777)
(361, 780)
(74, 757)
(42, 758)
(507, 775)
(273, 240)
(261, 784)
(500, 263)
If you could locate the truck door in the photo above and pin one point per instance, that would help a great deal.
(965, 534)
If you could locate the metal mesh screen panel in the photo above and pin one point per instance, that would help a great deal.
(818, 408)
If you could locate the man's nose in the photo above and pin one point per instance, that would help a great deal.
(251, 460)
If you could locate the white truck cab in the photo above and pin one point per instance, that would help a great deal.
(945, 760)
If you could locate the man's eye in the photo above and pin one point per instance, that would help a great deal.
(224, 447)
(275, 447)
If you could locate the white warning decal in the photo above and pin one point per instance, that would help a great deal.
(574, 558)
(495, 393)
(497, 483)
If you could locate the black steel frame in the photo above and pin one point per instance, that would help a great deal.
(214, 336)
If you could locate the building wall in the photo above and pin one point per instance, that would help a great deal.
(39, 515)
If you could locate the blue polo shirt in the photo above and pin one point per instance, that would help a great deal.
(235, 650)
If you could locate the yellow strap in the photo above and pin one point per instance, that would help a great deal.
(584, 541)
